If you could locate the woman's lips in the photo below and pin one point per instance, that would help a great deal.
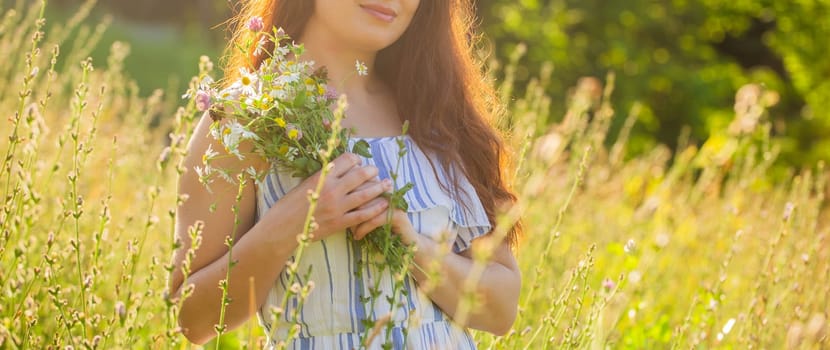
(380, 12)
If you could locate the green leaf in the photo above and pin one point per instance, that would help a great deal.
(314, 166)
(400, 203)
(300, 99)
(403, 190)
(362, 148)
(300, 163)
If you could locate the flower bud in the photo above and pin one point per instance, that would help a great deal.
(255, 24)
(202, 101)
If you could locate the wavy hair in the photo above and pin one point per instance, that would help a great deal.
(437, 82)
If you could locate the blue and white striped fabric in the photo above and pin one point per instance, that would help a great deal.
(331, 315)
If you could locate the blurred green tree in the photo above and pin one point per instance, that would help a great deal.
(683, 59)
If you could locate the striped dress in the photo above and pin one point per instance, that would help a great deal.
(331, 315)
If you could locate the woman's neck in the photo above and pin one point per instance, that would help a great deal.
(322, 48)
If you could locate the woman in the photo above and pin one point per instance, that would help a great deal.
(421, 69)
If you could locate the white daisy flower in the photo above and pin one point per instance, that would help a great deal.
(232, 134)
(288, 78)
(249, 83)
(209, 155)
(361, 68)
(278, 94)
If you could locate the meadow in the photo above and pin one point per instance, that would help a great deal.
(698, 248)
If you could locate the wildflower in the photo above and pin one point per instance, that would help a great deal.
(361, 68)
(164, 157)
(288, 77)
(662, 240)
(280, 121)
(331, 93)
(202, 101)
(293, 132)
(247, 83)
(255, 24)
(205, 64)
(630, 246)
(204, 173)
(635, 276)
(278, 93)
(728, 326)
(209, 154)
(120, 309)
(280, 52)
(251, 171)
(232, 134)
(788, 210)
(327, 124)
(608, 284)
(260, 46)
(726, 329)
(232, 92)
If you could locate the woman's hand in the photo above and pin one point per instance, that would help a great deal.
(347, 196)
(400, 221)
(498, 285)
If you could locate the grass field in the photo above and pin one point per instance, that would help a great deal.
(693, 249)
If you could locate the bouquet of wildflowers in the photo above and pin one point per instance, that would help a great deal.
(283, 108)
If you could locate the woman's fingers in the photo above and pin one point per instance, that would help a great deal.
(344, 163)
(369, 204)
(366, 185)
(359, 197)
(367, 226)
(357, 216)
(356, 177)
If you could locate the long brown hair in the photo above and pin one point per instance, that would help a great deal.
(438, 84)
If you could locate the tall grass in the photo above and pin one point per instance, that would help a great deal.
(693, 249)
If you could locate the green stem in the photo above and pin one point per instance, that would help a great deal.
(225, 285)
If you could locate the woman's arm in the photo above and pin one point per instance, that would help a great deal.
(260, 250)
(497, 289)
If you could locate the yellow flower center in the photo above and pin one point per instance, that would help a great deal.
(280, 121)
